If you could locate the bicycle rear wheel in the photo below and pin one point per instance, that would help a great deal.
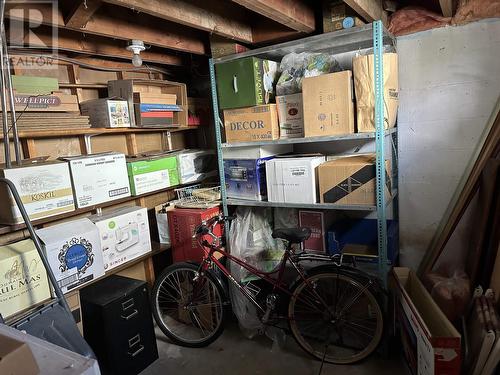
(335, 317)
(188, 309)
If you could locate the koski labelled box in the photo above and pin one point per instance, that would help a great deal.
(44, 188)
(23, 279)
(98, 178)
(258, 123)
(124, 235)
(290, 115)
(73, 250)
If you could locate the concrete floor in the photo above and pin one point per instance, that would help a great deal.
(233, 354)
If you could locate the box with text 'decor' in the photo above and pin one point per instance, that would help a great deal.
(252, 124)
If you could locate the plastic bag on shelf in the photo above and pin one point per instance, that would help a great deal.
(295, 66)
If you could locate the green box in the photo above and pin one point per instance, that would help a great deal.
(246, 82)
(34, 85)
(151, 173)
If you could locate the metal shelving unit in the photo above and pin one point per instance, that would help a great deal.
(344, 41)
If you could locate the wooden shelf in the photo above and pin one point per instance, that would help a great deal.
(69, 132)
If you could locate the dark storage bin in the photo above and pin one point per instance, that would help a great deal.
(118, 324)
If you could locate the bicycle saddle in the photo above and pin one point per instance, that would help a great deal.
(292, 235)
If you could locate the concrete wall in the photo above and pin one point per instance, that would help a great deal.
(449, 83)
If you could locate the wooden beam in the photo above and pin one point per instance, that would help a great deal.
(125, 26)
(370, 10)
(266, 31)
(216, 18)
(73, 41)
(295, 14)
(81, 13)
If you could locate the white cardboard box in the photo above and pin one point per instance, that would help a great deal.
(255, 152)
(290, 115)
(98, 178)
(45, 189)
(23, 279)
(124, 235)
(292, 179)
(196, 165)
(106, 113)
(73, 250)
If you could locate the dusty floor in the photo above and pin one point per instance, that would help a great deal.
(233, 354)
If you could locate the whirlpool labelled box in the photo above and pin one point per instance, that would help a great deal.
(124, 235)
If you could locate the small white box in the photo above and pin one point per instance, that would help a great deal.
(73, 250)
(255, 152)
(45, 189)
(106, 113)
(196, 165)
(124, 235)
(290, 115)
(292, 179)
(98, 178)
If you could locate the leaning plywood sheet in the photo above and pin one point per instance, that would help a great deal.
(494, 357)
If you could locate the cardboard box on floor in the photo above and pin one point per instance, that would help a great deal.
(351, 180)
(431, 343)
(328, 104)
(16, 357)
(259, 123)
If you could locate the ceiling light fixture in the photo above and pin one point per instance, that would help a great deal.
(136, 46)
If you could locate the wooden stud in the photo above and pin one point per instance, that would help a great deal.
(81, 13)
(131, 144)
(74, 77)
(29, 148)
(149, 270)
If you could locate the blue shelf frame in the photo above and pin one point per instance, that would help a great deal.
(368, 36)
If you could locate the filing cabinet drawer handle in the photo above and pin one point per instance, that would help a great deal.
(130, 316)
(128, 304)
(136, 352)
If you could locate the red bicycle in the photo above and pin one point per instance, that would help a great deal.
(332, 310)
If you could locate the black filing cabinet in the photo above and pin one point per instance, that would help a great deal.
(118, 325)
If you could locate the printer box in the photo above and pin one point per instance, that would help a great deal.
(124, 235)
(196, 165)
(74, 252)
(152, 172)
(246, 178)
(44, 187)
(106, 113)
(292, 178)
(23, 279)
(98, 178)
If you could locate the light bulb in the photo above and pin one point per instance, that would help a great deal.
(136, 60)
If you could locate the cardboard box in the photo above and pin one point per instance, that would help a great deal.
(156, 115)
(148, 173)
(246, 82)
(98, 178)
(55, 102)
(358, 238)
(363, 68)
(246, 178)
(258, 123)
(337, 15)
(154, 98)
(318, 222)
(196, 165)
(23, 279)
(45, 189)
(73, 300)
(34, 85)
(328, 104)
(182, 223)
(124, 235)
(106, 113)
(16, 357)
(74, 252)
(255, 152)
(431, 343)
(290, 115)
(292, 178)
(220, 46)
(351, 180)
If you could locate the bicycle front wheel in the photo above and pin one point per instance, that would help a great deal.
(188, 307)
(335, 318)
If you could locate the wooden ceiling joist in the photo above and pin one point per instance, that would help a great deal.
(370, 10)
(212, 16)
(125, 26)
(81, 13)
(296, 14)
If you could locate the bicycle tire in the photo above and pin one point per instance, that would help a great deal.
(330, 321)
(163, 282)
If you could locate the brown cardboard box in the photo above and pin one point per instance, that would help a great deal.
(337, 15)
(350, 180)
(362, 67)
(431, 344)
(73, 300)
(16, 357)
(328, 104)
(259, 123)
